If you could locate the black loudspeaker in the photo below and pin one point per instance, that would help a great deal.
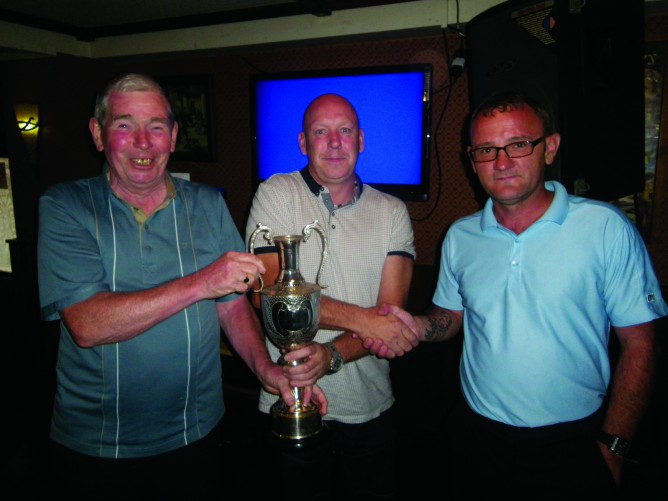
(584, 59)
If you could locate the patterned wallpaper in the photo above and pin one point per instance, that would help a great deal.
(453, 193)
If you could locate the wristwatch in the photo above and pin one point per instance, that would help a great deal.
(337, 360)
(616, 444)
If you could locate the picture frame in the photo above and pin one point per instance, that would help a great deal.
(7, 218)
(191, 100)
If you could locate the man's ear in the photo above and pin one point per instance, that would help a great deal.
(468, 149)
(96, 131)
(302, 143)
(551, 147)
(175, 133)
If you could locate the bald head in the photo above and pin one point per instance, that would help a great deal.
(328, 100)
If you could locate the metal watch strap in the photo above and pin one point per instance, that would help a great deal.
(336, 362)
(616, 444)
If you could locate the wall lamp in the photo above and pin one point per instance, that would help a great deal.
(27, 126)
(27, 117)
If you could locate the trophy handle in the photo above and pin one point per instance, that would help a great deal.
(307, 233)
(268, 235)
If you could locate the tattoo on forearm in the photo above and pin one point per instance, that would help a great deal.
(438, 327)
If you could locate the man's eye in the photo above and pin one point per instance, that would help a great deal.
(519, 145)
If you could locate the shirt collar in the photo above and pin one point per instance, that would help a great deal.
(556, 212)
(139, 214)
(318, 190)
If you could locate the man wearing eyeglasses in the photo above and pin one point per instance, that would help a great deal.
(535, 280)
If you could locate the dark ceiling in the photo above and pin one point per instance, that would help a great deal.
(90, 19)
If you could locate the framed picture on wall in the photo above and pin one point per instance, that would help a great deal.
(191, 100)
(7, 220)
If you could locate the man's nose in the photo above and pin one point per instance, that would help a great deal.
(142, 140)
(502, 160)
(334, 140)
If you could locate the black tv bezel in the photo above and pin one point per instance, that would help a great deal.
(407, 192)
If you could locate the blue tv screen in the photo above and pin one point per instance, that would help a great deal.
(394, 108)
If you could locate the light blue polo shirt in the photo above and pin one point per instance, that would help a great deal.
(538, 306)
(162, 389)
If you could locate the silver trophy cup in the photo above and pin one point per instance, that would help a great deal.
(291, 314)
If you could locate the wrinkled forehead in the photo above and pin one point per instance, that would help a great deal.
(507, 123)
(139, 103)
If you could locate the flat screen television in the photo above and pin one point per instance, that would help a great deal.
(394, 108)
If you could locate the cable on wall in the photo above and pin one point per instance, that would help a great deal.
(456, 68)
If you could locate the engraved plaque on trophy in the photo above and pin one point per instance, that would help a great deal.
(291, 314)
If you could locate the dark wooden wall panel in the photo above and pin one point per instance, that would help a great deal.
(656, 31)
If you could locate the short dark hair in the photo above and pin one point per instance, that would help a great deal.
(512, 100)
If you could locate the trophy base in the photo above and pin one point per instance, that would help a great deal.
(295, 429)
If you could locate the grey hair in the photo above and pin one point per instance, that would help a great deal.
(131, 82)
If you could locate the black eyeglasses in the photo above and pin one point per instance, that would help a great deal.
(517, 149)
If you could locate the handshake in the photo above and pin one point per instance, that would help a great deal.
(392, 333)
(400, 331)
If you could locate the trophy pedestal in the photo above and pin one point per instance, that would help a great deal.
(295, 428)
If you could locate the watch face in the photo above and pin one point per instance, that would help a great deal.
(615, 444)
(619, 446)
(338, 362)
